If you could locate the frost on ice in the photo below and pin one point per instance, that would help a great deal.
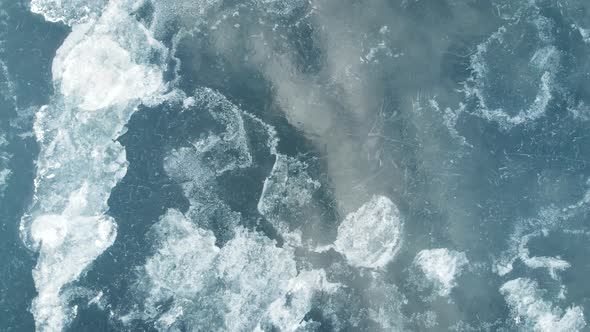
(371, 236)
(441, 267)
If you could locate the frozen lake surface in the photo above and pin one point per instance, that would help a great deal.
(294, 165)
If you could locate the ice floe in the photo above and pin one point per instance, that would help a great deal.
(371, 236)
(112, 64)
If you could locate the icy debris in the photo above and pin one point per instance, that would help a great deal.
(286, 197)
(371, 236)
(531, 312)
(441, 267)
(69, 12)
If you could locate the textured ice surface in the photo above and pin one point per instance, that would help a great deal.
(371, 236)
(532, 313)
(441, 267)
(103, 64)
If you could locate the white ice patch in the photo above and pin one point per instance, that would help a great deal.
(441, 267)
(371, 236)
(80, 160)
(531, 312)
(69, 12)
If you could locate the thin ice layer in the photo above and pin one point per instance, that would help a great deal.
(371, 236)
(441, 267)
(531, 312)
(80, 160)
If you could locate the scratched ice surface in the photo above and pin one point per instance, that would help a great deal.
(294, 165)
